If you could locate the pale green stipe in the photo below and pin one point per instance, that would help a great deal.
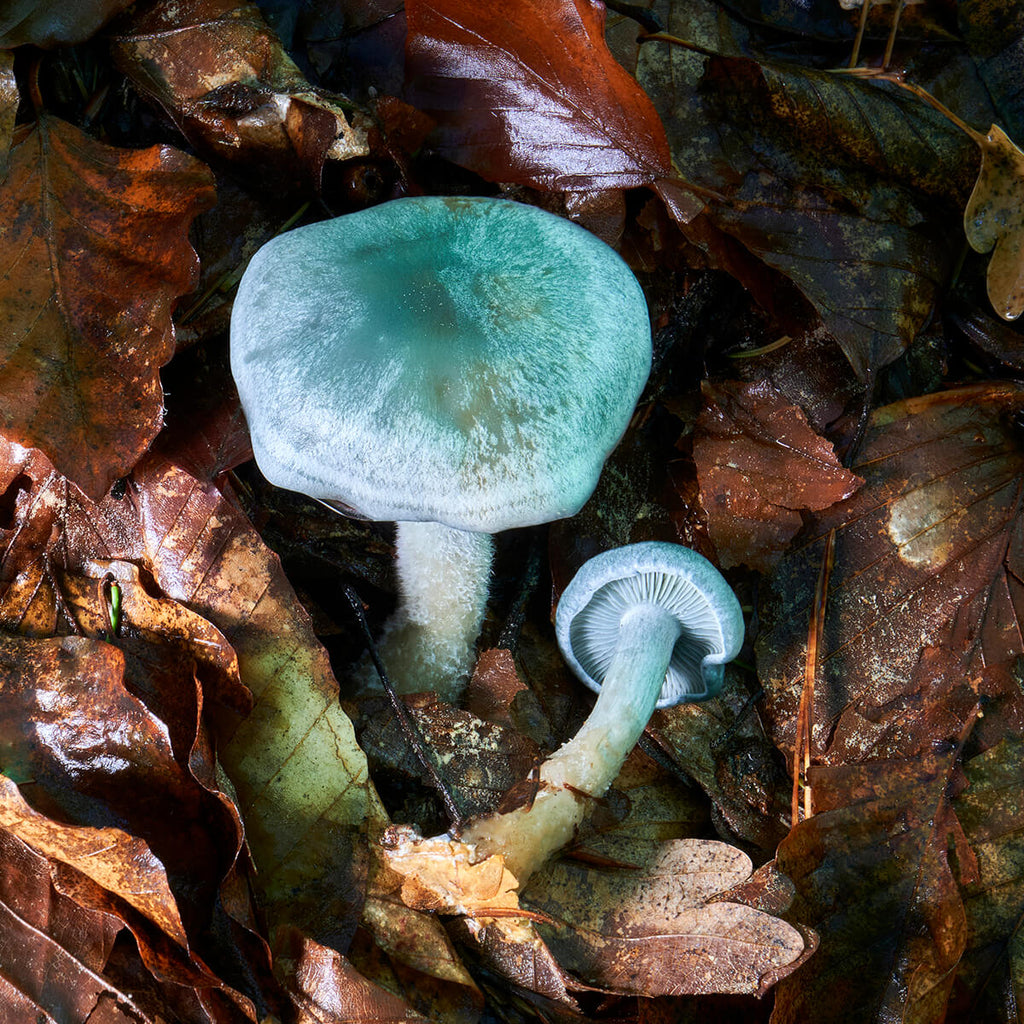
(588, 764)
(647, 625)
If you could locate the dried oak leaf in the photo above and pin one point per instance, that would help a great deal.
(760, 464)
(994, 220)
(928, 554)
(872, 875)
(223, 77)
(991, 811)
(95, 244)
(653, 929)
(528, 92)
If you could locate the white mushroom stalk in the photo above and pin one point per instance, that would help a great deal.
(656, 623)
(444, 576)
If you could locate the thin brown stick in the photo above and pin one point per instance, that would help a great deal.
(815, 631)
(890, 43)
(862, 25)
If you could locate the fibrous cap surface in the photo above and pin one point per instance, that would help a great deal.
(469, 361)
(668, 575)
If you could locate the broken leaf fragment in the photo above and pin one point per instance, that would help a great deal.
(994, 219)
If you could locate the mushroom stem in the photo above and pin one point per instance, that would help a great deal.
(444, 576)
(588, 764)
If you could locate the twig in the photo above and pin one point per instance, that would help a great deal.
(405, 720)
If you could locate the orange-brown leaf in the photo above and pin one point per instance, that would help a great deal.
(528, 92)
(95, 252)
(760, 464)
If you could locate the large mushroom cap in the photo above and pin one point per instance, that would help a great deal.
(674, 578)
(468, 361)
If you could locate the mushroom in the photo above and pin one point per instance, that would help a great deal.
(460, 366)
(648, 626)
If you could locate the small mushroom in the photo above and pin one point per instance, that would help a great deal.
(460, 366)
(647, 626)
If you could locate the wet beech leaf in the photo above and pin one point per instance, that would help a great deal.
(53, 22)
(994, 221)
(327, 989)
(528, 92)
(759, 465)
(991, 974)
(829, 179)
(223, 77)
(653, 929)
(52, 950)
(116, 861)
(95, 253)
(872, 875)
(299, 775)
(928, 554)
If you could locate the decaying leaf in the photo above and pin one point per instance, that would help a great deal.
(872, 874)
(994, 220)
(828, 179)
(300, 778)
(222, 75)
(928, 554)
(991, 974)
(53, 950)
(759, 465)
(528, 92)
(8, 107)
(53, 22)
(440, 874)
(653, 929)
(95, 253)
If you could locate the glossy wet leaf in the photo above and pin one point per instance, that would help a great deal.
(993, 221)
(53, 22)
(760, 465)
(96, 252)
(52, 950)
(994, 33)
(528, 92)
(828, 179)
(222, 75)
(652, 928)
(990, 977)
(873, 877)
(300, 778)
(928, 554)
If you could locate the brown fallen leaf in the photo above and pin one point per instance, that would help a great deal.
(54, 23)
(760, 464)
(928, 554)
(994, 219)
(655, 930)
(300, 778)
(873, 875)
(223, 77)
(53, 950)
(528, 92)
(96, 252)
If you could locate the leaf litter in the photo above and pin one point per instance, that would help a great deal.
(841, 186)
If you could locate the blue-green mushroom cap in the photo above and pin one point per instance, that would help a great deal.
(676, 579)
(467, 361)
